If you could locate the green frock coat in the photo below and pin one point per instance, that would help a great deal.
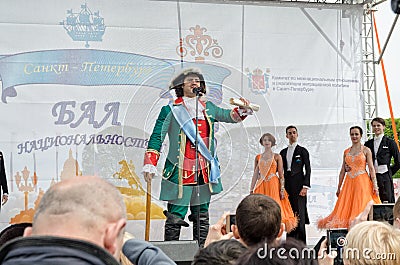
(171, 184)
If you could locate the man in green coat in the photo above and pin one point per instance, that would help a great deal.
(180, 181)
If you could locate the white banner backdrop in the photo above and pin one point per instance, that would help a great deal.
(82, 85)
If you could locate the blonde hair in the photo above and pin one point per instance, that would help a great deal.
(372, 242)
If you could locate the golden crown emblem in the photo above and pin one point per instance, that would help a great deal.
(199, 45)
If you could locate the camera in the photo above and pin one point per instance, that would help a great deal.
(382, 212)
(230, 220)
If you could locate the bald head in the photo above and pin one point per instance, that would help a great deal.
(83, 207)
(87, 195)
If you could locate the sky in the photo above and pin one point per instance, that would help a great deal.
(384, 18)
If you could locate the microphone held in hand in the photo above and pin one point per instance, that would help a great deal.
(238, 102)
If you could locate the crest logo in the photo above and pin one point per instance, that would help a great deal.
(85, 25)
(199, 45)
(258, 81)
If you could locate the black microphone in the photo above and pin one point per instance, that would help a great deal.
(396, 6)
(198, 91)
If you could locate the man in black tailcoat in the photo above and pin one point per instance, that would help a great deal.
(383, 150)
(297, 171)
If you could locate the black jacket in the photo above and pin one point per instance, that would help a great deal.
(298, 177)
(53, 250)
(300, 167)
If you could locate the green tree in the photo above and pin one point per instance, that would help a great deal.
(389, 133)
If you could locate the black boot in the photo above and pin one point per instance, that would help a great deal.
(204, 225)
(173, 225)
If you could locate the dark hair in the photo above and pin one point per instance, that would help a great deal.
(258, 219)
(221, 252)
(357, 127)
(290, 127)
(177, 82)
(380, 120)
(13, 231)
(290, 252)
(270, 137)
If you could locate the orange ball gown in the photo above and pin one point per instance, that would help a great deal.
(268, 184)
(356, 192)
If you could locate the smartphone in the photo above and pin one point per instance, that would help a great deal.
(382, 212)
(336, 238)
(230, 220)
(336, 241)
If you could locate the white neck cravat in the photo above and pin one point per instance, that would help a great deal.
(289, 155)
(377, 143)
(190, 104)
(378, 168)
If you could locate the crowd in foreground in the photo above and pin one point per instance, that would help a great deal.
(68, 229)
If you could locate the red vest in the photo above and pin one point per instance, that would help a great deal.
(189, 163)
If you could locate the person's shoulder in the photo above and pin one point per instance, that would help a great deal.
(76, 248)
(392, 143)
(167, 108)
(165, 111)
(388, 139)
(142, 252)
(348, 149)
(176, 102)
(369, 142)
(366, 149)
(302, 148)
(209, 103)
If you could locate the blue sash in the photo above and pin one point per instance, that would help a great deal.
(186, 123)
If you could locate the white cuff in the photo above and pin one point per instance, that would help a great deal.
(149, 168)
(245, 112)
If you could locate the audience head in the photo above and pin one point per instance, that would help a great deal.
(396, 214)
(372, 242)
(223, 252)
(270, 137)
(258, 219)
(84, 207)
(290, 252)
(13, 231)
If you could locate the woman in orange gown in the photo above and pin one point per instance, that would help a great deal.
(358, 188)
(266, 181)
